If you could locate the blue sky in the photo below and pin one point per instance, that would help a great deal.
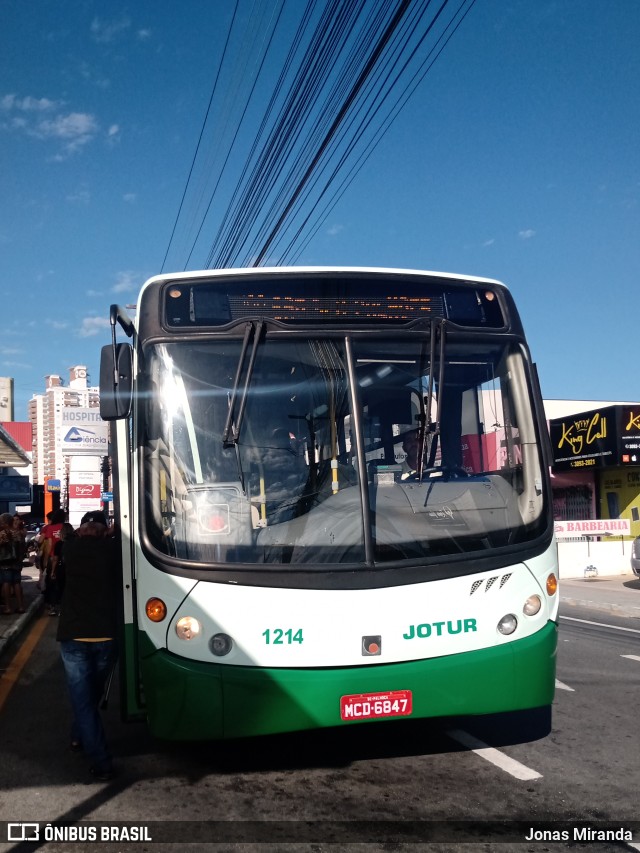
(517, 158)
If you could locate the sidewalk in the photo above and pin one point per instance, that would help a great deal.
(615, 594)
(12, 626)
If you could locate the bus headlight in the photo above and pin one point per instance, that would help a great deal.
(155, 609)
(508, 624)
(188, 627)
(220, 645)
(532, 605)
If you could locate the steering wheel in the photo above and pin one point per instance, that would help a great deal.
(446, 472)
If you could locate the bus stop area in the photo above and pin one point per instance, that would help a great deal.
(13, 625)
(614, 594)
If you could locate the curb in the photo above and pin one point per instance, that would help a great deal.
(15, 630)
(617, 609)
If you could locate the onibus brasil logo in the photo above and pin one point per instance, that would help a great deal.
(80, 832)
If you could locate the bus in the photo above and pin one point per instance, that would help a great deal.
(288, 564)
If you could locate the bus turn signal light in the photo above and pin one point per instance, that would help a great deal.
(552, 584)
(155, 609)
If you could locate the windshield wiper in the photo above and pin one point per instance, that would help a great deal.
(231, 431)
(426, 427)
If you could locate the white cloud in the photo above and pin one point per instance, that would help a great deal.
(94, 77)
(107, 31)
(113, 135)
(488, 243)
(42, 118)
(334, 230)
(527, 234)
(28, 104)
(82, 196)
(57, 324)
(93, 326)
(16, 364)
(126, 282)
(130, 198)
(75, 128)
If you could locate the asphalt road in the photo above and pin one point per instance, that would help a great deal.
(412, 785)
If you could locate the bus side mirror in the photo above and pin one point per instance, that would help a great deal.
(116, 383)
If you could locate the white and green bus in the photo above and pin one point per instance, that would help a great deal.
(286, 564)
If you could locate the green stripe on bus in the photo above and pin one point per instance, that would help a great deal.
(189, 700)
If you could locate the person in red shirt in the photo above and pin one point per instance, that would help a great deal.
(49, 535)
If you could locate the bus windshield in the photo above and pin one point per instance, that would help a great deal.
(337, 452)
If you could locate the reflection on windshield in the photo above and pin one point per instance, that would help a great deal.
(444, 437)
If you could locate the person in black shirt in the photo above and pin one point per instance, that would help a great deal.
(86, 633)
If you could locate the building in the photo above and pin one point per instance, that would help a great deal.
(6, 399)
(596, 461)
(47, 414)
(15, 467)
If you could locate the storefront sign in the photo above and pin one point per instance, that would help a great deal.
(84, 490)
(593, 527)
(84, 432)
(630, 438)
(601, 438)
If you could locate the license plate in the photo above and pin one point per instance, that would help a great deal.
(371, 706)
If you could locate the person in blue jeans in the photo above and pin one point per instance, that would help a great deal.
(87, 636)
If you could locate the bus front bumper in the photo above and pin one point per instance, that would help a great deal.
(189, 700)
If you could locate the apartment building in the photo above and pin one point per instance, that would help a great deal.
(45, 413)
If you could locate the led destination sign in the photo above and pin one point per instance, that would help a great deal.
(338, 299)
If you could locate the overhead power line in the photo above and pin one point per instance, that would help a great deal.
(323, 88)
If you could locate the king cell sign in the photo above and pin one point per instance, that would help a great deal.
(600, 438)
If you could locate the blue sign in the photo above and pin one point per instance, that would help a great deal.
(15, 488)
(106, 497)
(53, 485)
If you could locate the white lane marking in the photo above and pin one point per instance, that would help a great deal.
(561, 686)
(600, 624)
(509, 765)
(631, 657)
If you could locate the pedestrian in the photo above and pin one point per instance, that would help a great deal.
(21, 530)
(56, 577)
(95, 515)
(11, 554)
(86, 633)
(49, 535)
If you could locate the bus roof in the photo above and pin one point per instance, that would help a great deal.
(294, 270)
